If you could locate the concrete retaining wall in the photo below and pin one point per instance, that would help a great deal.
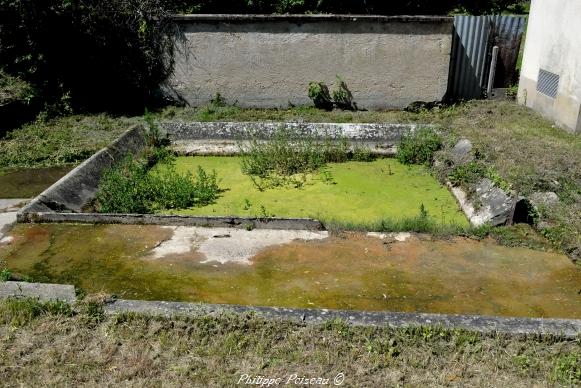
(268, 60)
(76, 189)
(225, 138)
(570, 328)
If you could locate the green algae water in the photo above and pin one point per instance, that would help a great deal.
(351, 271)
(357, 193)
(29, 183)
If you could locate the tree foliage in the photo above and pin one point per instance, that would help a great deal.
(88, 54)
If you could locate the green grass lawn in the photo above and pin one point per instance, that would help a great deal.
(359, 193)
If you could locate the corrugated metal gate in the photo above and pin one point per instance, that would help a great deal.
(474, 37)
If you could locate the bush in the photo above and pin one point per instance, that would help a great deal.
(419, 147)
(131, 187)
(319, 94)
(342, 96)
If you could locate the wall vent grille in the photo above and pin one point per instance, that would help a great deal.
(548, 83)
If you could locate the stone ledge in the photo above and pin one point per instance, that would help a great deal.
(570, 328)
(172, 220)
(40, 291)
(310, 18)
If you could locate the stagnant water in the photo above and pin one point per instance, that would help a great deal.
(352, 271)
(29, 183)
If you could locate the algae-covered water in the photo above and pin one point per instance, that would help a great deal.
(351, 271)
(358, 193)
(28, 183)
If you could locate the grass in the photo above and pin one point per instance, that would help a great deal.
(14, 89)
(358, 192)
(59, 142)
(47, 346)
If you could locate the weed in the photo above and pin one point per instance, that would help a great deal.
(5, 275)
(567, 369)
(468, 174)
(153, 135)
(130, 187)
(265, 213)
(247, 204)
(218, 101)
(418, 147)
(342, 96)
(21, 311)
(512, 91)
(288, 157)
(471, 173)
(93, 311)
(319, 94)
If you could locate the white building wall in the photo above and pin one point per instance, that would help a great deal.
(553, 43)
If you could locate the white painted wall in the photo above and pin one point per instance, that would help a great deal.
(553, 43)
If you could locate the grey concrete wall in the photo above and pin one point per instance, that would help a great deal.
(268, 61)
(76, 189)
(553, 43)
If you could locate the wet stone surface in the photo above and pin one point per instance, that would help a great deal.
(349, 272)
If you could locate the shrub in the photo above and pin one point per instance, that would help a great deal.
(419, 147)
(319, 94)
(342, 96)
(131, 187)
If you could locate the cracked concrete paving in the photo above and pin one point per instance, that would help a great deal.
(226, 245)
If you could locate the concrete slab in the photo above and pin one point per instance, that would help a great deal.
(12, 204)
(226, 245)
(6, 221)
(43, 292)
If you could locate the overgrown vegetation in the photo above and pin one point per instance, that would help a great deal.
(131, 187)
(96, 55)
(217, 350)
(319, 93)
(57, 142)
(418, 147)
(288, 156)
(341, 96)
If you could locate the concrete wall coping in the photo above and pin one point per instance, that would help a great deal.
(300, 18)
(570, 328)
(172, 220)
(41, 291)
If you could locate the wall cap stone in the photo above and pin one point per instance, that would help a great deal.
(570, 328)
(300, 18)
